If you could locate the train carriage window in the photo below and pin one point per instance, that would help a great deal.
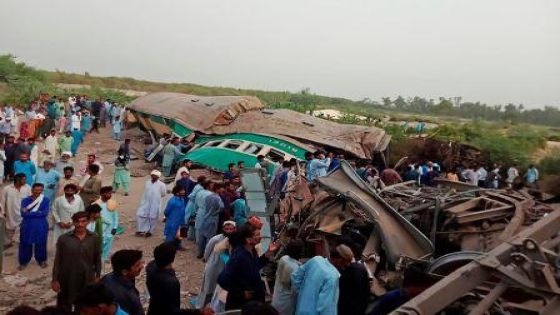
(233, 144)
(253, 148)
(275, 155)
(213, 143)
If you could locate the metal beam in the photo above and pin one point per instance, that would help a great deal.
(466, 278)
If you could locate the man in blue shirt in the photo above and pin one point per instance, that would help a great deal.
(319, 165)
(26, 167)
(34, 228)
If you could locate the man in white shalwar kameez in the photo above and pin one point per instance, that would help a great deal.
(51, 144)
(10, 204)
(64, 207)
(150, 206)
(214, 264)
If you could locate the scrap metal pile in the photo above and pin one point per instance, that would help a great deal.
(461, 217)
(502, 237)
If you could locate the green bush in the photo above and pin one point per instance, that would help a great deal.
(550, 164)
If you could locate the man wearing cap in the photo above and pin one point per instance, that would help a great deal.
(64, 208)
(64, 162)
(148, 211)
(77, 261)
(214, 263)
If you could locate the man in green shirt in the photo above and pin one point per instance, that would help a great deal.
(65, 143)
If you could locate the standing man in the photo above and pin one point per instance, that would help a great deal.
(209, 226)
(92, 186)
(10, 150)
(174, 215)
(51, 143)
(64, 162)
(34, 228)
(121, 178)
(316, 283)
(284, 296)
(64, 207)
(214, 263)
(65, 143)
(117, 127)
(77, 139)
(531, 176)
(163, 285)
(127, 265)
(482, 176)
(96, 111)
(67, 179)
(200, 213)
(148, 212)
(168, 157)
(124, 149)
(26, 167)
(110, 219)
(512, 174)
(319, 165)
(77, 261)
(10, 204)
(5, 129)
(187, 164)
(76, 121)
(49, 178)
(91, 159)
(354, 284)
(241, 275)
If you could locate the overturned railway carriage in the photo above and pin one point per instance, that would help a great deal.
(241, 127)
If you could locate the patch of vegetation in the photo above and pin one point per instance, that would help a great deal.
(550, 164)
(20, 84)
(502, 143)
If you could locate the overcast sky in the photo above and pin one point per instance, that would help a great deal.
(495, 51)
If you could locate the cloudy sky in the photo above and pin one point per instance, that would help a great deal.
(495, 51)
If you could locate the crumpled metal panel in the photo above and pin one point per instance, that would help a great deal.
(399, 236)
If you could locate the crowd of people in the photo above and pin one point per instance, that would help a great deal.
(47, 190)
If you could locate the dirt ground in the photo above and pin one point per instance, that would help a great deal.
(32, 285)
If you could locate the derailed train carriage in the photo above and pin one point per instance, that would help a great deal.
(238, 128)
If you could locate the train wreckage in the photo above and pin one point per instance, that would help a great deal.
(471, 250)
(240, 128)
(482, 251)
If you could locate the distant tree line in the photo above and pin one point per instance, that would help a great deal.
(549, 115)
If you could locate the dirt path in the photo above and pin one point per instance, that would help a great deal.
(32, 285)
